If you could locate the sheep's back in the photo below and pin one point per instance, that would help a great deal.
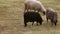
(50, 13)
(35, 4)
(32, 16)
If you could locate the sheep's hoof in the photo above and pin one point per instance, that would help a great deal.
(55, 24)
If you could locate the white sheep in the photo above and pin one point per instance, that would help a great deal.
(34, 5)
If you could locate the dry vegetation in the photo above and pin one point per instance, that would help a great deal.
(11, 18)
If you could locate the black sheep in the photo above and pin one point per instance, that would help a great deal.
(31, 17)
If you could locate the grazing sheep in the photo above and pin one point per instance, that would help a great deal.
(52, 15)
(31, 17)
(34, 5)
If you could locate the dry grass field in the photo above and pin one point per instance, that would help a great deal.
(12, 21)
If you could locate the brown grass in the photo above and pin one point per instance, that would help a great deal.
(12, 21)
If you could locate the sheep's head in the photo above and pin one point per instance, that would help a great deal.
(44, 13)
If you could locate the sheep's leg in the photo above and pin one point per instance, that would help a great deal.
(25, 7)
(32, 23)
(25, 24)
(28, 8)
(47, 19)
(55, 24)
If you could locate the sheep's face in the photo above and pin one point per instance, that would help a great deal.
(44, 12)
(55, 21)
(40, 21)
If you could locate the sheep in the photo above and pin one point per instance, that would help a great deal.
(52, 15)
(31, 17)
(34, 5)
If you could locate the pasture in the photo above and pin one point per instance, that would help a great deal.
(12, 21)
